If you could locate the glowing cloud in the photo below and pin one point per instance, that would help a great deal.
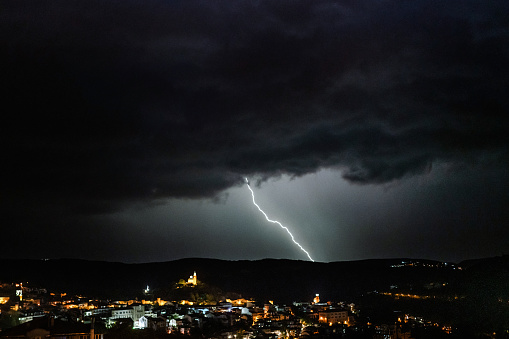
(276, 222)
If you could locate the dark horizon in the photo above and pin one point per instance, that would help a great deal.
(246, 277)
(469, 260)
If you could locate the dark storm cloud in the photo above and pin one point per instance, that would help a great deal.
(110, 101)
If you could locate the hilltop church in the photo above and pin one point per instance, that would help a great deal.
(192, 280)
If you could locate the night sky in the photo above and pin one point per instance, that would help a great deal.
(371, 129)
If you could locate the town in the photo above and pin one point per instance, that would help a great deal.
(35, 312)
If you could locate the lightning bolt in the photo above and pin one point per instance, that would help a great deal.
(277, 222)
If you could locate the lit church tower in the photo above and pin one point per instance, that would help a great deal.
(192, 279)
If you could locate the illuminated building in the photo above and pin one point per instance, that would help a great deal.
(19, 291)
(192, 279)
(134, 313)
(333, 317)
(316, 299)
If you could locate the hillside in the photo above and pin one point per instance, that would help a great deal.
(282, 280)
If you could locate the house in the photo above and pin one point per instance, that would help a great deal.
(333, 317)
(133, 312)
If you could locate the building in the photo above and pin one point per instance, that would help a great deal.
(192, 280)
(332, 317)
(134, 313)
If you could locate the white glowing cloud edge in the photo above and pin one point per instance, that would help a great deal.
(276, 222)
